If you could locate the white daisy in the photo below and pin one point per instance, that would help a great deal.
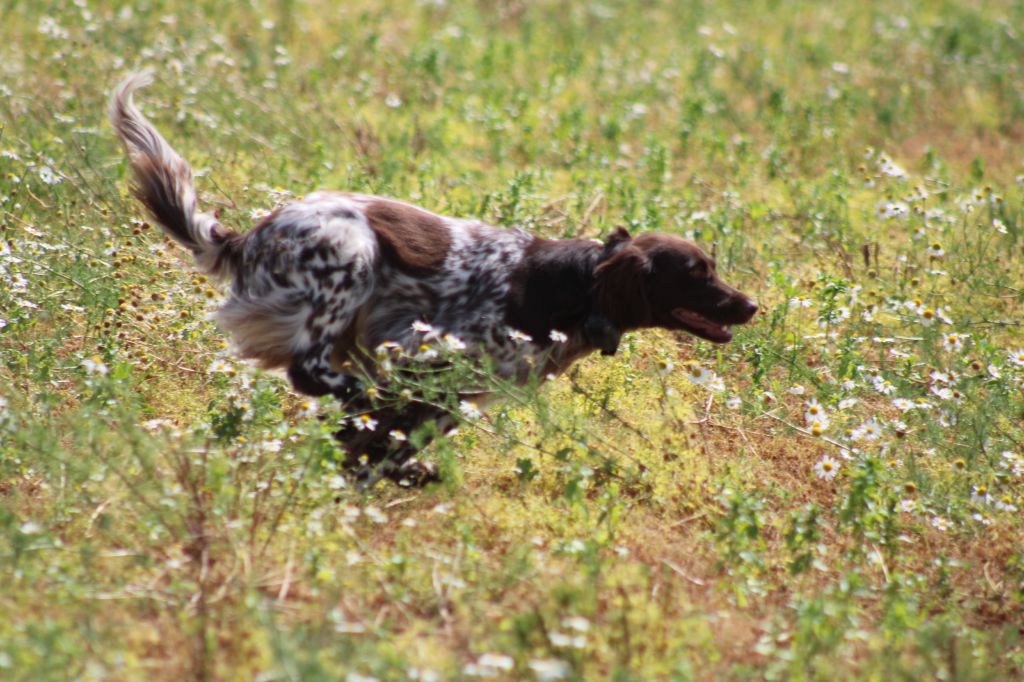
(826, 468)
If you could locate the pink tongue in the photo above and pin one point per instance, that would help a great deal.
(702, 325)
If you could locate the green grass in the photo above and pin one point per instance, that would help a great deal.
(855, 167)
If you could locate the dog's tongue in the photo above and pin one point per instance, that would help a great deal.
(697, 324)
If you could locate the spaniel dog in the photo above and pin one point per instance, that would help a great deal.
(323, 279)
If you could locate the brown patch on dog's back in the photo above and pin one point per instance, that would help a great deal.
(413, 240)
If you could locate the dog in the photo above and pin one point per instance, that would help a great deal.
(320, 282)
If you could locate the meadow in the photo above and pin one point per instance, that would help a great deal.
(834, 495)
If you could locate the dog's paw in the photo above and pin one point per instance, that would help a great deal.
(415, 474)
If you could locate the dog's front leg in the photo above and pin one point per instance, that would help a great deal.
(378, 445)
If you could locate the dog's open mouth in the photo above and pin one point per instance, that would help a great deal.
(697, 324)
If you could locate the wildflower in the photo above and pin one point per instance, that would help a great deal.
(561, 639)
(365, 422)
(733, 402)
(95, 365)
(519, 337)
(1013, 462)
(47, 175)
(846, 403)
(393, 101)
(800, 302)
(796, 389)
(470, 410)
(454, 343)
(883, 386)
(557, 336)
(577, 623)
(426, 352)
(999, 226)
(374, 514)
(549, 668)
(903, 404)
(940, 524)
(890, 210)
(336, 482)
(219, 366)
(826, 468)
(935, 250)
(1017, 357)
(869, 430)
(953, 342)
(424, 328)
(1005, 503)
(814, 411)
(307, 408)
(980, 494)
(889, 167)
(398, 435)
(699, 375)
(908, 505)
(717, 384)
(489, 665)
(665, 367)
(927, 317)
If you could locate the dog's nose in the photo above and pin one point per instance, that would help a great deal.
(749, 308)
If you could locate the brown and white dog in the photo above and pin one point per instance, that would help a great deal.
(326, 277)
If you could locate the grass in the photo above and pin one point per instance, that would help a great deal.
(842, 502)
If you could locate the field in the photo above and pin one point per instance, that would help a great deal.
(834, 495)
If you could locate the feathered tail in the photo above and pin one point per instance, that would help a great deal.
(163, 183)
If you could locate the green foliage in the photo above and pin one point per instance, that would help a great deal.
(834, 495)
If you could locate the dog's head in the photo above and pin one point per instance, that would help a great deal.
(660, 280)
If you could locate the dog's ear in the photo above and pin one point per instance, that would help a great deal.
(620, 287)
(615, 241)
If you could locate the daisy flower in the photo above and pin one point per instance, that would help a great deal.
(1005, 503)
(454, 343)
(953, 342)
(424, 328)
(557, 336)
(549, 668)
(814, 411)
(365, 422)
(699, 375)
(95, 365)
(869, 430)
(519, 337)
(826, 468)
(903, 404)
(470, 410)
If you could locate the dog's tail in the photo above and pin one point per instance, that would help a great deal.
(163, 183)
